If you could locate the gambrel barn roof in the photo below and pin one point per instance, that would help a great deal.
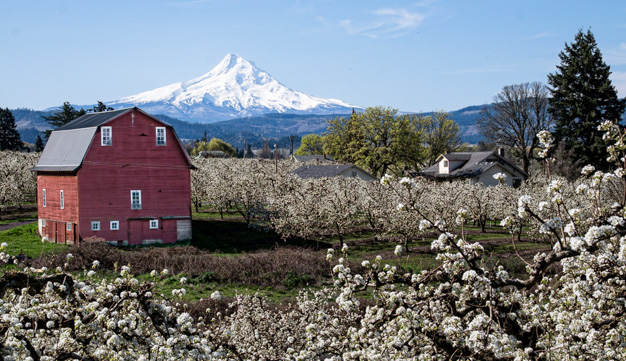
(68, 144)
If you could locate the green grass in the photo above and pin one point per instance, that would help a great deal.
(25, 240)
(20, 219)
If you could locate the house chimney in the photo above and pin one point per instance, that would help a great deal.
(501, 152)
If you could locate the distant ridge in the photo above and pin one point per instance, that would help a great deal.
(254, 129)
(235, 88)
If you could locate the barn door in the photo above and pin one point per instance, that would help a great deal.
(135, 230)
(60, 227)
(52, 231)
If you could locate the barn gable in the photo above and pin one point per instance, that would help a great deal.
(68, 145)
(120, 176)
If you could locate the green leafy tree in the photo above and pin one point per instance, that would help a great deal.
(344, 138)
(311, 144)
(376, 139)
(441, 134)
(582, 98)
(39, 144)
(9, 136)
(66, 114)
(214, 145)
(518, 113)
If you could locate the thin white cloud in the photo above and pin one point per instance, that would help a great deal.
(385, 22)
(542, 35)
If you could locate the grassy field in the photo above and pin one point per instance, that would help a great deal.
(227, 255)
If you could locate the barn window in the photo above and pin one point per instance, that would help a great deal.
(43, 222)
(135, 199)
(445, 163)
(43, 197)
(69, 226)
(160, 135)
(95, 225)
(115, 225)
(154, 223)
(62, 201)
(106, 134)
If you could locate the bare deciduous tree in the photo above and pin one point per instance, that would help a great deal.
(519, 112)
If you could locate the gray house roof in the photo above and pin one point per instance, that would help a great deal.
(324, 170)
(68, 145)
(475, 164)
(314, 158)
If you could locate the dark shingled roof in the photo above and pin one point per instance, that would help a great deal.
(314, 158)
(475, 164)
(322, 170)
(90, 120)
(68, 144)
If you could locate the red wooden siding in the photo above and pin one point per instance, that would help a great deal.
(133, 162)
(104, 182)
(53, 214)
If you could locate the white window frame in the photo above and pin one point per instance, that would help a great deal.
(134, 205)
(114, 225)
(95, 225)
(164, 141)
(154, 224)
(106, 136)
(43, 197)
(68, 226)
(62, 200)
(43, 222)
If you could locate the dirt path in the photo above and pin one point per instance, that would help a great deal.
(4, 227)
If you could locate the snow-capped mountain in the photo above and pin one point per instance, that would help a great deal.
(235, 88)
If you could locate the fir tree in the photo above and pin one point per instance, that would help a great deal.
(100, 107)
(582, 98)
(9, 136)
(62, 117)
(39, 144)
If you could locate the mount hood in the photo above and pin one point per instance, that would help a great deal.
(235, 88)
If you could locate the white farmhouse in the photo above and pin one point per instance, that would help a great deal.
(477, 166)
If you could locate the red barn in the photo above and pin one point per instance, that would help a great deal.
(121, 176)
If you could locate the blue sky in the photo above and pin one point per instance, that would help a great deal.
(412, 56)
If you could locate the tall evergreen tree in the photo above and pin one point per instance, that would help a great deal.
(66, 114)
(39, 144)
(100, 107)
(582, 98)
(9, 136)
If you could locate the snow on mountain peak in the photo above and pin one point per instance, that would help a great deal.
(234, 88)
